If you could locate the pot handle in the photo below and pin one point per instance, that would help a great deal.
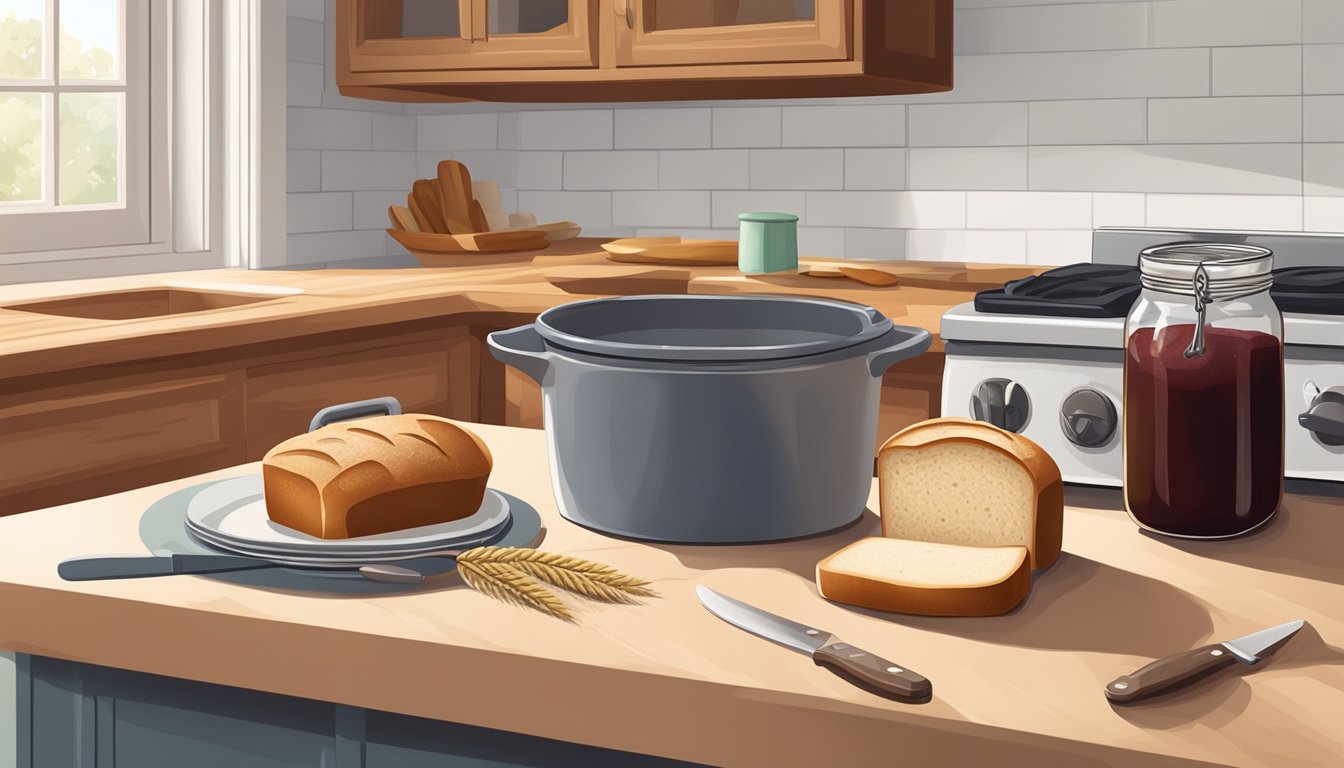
(355, 410)
(522, 348)
(915, 344)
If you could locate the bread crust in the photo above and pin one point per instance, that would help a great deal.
(370, 476)
(885, 595)
(1048, 522)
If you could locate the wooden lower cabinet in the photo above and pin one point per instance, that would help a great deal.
(72, 714)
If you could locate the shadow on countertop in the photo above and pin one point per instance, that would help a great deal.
(1118, 612)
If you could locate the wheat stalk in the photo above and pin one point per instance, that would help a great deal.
(584, 577)
(503, 582)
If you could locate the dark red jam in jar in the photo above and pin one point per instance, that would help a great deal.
(1203, 402)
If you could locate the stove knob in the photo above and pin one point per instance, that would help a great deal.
(1325, 417)
(1087, 417)
(1001, 402)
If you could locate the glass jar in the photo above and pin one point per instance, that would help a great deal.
(1203, 399)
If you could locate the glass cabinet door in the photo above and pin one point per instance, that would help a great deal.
(669, 32)
(436, 35)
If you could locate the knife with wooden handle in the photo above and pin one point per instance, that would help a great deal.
(865, 670)
(1185, 667)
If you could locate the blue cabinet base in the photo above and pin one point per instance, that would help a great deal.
(83, 716)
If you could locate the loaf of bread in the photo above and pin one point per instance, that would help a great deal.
(925, 578)
(387, 473)
(957, 481)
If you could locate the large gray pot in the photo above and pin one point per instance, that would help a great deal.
(710, 419)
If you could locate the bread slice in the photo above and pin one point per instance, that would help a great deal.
(370, 476)
(924, 578)
(957, 481)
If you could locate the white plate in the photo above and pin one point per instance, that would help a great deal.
(232, 514)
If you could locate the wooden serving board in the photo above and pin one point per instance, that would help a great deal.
(672, 250)
(618, 279)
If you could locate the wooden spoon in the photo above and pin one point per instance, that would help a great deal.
(876, 277)
(479, 222)
(422, 221)
(426, 195)
(402, 218)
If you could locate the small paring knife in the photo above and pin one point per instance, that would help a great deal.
(872, 673)
(99, 567)
(1182, 668)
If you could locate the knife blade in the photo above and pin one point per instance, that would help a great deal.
(1182, 668)
(859, 667)
(98, 567)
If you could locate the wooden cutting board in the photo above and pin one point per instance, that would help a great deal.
(672, 250)
(618, 279)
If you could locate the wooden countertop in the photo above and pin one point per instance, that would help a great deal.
(333, 300)
(668, 678)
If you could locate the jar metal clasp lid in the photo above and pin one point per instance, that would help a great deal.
(1202, 299)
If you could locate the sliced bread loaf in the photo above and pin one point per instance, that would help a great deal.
(957, 481)
(925, 578)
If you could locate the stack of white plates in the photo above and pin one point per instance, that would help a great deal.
(231, 515)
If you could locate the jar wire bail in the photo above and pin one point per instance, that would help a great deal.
(1202, 299)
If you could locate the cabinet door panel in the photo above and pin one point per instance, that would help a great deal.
(281, 399)
(670, 32)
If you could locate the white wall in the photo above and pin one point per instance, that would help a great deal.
(1066, 115)
(347, 159)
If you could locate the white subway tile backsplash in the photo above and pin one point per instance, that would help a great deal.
(307, 9)
(592, 210)
(1118, 209)
(727, 205)
(966, 245)
(1323, 214)
(820, 241)
(880, 244)
(1028, 210)
(370, 208)
(1090, 121)
(611, 170)
(508, 131)
(968, 168)
(1082, 27)
(797, 169)
(910, 210)
(1225, 211)
(1323, 68)
(490, 165)
(1083, 75)
(1257, 70)
(1322, 21)
(540, 170)
(1323, 118)
(1323, 169)
(565, 129)
(304, 84)
(349, 170)
(1184, 23)
(871, 125)
(703, 169)
(307, 128)
(305, 40)
(1059, 247)
(334, 246)
(662, 128)
(746, 127)
(448, 133)
(427, 164)
(1195, 168)
(1249, 119)
(668, 209)
(303, 170)
(875, 168)
(317, 212)
(968, 125)
(687, 233)
(394, 131)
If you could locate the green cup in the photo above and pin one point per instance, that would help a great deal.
(767, 242)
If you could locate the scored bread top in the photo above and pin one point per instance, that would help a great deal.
(926, 564)
(958, 481)
(413, 449)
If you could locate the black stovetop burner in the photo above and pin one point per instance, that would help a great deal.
(1103, 290)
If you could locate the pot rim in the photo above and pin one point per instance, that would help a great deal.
(872, 324)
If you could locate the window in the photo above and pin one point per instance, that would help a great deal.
(75, 123)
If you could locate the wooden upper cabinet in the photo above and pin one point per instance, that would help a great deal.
(662, 32)
(640, 50)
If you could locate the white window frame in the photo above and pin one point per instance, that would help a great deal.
(216, 155)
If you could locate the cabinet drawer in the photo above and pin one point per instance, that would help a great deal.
(281, 399)
(101, 437)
